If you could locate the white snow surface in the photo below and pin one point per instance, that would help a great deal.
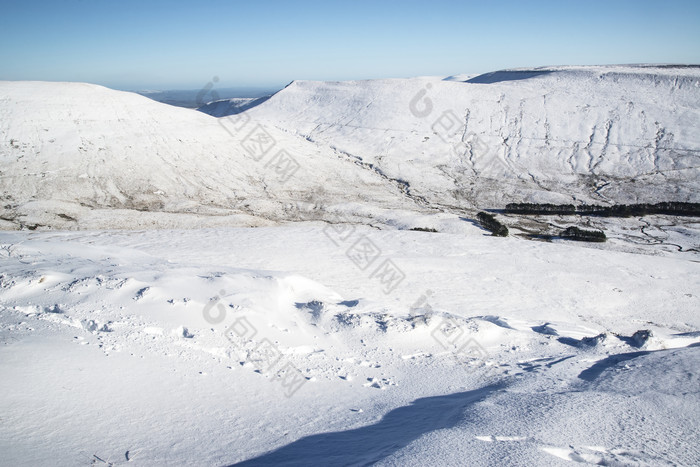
(556, 134)
(148, 345)
(186, 298)
(79, 156)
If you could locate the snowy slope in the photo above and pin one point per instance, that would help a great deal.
(144, 348)
(558, 134)
(72, 153)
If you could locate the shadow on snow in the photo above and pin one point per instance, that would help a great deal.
(369, 444)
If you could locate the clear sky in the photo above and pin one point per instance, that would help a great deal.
(154, 44)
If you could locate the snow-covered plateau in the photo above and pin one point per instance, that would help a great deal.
(301, 279)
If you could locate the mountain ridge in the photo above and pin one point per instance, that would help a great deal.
(605, 135)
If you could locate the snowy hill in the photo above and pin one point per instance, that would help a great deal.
(72, 154)
(558, 134)
(148, 348)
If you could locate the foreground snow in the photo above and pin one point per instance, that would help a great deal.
(284, 344)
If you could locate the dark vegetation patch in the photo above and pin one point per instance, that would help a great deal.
(67, 217)
(489, 222)
(581, 235)
(570, 233)
(670, 208)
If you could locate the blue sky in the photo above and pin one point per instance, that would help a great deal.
(181, 45)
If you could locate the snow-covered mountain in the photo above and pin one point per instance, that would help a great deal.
(71, 154)
(557, 134)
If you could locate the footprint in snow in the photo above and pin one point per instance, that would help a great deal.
(379, 383)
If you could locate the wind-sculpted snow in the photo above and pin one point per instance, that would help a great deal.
(272, 345)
